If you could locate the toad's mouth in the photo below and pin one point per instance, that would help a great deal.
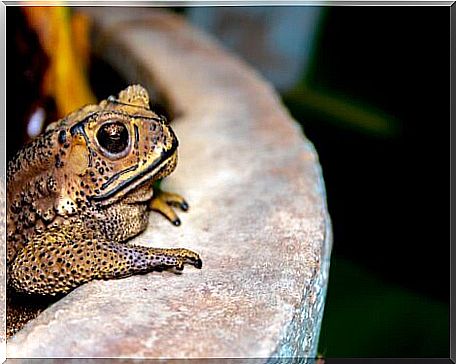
(155, 169)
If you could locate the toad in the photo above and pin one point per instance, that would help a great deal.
(78, 193)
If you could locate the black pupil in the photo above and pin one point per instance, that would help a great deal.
(113, 137)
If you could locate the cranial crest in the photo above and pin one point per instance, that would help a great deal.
(135, 95)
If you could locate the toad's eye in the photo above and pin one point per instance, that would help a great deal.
(113, 137)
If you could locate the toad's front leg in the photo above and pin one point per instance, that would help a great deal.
(56, 262)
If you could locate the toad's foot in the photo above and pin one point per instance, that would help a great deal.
(175, 257)
(163, 202)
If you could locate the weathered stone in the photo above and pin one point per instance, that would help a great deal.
(258, 217)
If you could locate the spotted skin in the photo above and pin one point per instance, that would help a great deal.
(78, 192)
(64, 266)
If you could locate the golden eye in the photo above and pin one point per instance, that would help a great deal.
(113, 137)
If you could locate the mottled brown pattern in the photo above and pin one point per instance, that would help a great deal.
(79, 191)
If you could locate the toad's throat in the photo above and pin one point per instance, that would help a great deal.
(138, 179)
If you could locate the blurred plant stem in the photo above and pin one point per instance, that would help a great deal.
(63, 35)
(343, 112)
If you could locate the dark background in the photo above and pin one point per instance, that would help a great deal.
(387, 183)
(388, 191)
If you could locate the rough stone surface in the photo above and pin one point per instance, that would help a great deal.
(258, 217)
